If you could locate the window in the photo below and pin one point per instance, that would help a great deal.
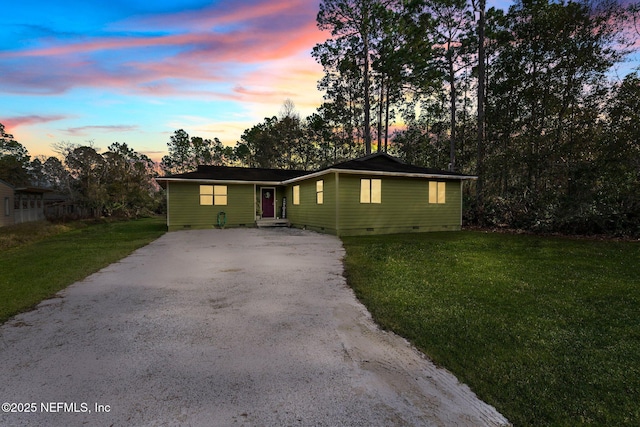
(437, 192)
(213, 195)
(370, 191)
(220, 195)
(7, 206)
(320, 192)
(206, 195)
(296, 194)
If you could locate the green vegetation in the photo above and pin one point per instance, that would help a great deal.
(30, 232)
(545, 329)
(46, 258)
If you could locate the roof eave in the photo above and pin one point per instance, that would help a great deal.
(218, 181)
(381, 173)
(320, 173)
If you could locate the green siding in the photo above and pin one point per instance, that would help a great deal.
(185, 211)
(281, 192)
(405, 207)
(309, 214)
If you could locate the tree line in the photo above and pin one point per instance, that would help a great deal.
(524, 98)
(119, 182)
(285, 141)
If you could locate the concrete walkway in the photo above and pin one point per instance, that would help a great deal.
(219, 328)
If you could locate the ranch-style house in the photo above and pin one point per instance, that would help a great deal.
(375, 194)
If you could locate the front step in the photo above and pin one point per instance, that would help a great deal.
(269, 222)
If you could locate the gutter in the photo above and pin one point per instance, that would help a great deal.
(380, 173)
(217, 181)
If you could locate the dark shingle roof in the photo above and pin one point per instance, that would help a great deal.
(228, 173)
(377, 162)
(382, 162)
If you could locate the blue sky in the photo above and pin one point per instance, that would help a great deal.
(135, 71)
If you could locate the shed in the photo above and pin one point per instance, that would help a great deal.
(29, 204)
(22, 204)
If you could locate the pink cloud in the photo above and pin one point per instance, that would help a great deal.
(260, 27)
(118, 43)
(14, 122)
(167, 90)
(175, 68)
(264, 90)
(57, 75)
(214, 45)
(225, 13)
(85, 130)
(262, 93)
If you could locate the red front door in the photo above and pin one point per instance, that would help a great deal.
(268, 203)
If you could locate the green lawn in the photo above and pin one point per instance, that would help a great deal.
(545, 329)
(39, 263)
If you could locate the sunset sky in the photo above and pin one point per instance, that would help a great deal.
(135, 71)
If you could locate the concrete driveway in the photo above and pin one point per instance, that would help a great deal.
(220, 328)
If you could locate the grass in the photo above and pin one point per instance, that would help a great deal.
(40, 259)
(545, 329)
(30, 232)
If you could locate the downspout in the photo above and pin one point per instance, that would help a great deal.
(337, 195)
(168, 223)
(461, 207)
(255, 208)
